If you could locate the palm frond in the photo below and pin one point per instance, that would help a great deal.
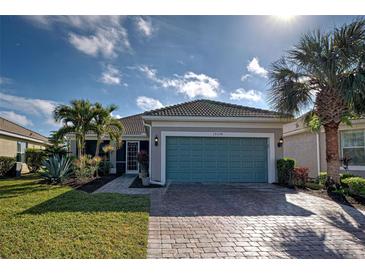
(290, 89)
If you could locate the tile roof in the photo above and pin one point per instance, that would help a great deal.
(133, 125)
(14, 128)
(209, 108)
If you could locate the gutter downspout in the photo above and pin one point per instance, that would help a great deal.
(150, 157)
(318, 154)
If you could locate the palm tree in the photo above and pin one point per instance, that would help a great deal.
(106, 125)
(324, 72)
(77, 118)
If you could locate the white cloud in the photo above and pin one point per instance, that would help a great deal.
(250, 95)
(5, 80)
(244, 77)
(147, 103)
(16, 118)
(111, 76)
(92, 35)
(254, 67)
(144, 25)
(105, 42)
(149, 72)
(117, 116)
(190, 84)
(37, 107)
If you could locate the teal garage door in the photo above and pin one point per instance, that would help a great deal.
(216, 160)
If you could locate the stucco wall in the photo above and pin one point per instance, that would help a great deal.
(156, 150)
(302, 147)
(8, 147)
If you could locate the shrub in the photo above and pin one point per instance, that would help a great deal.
(346, 175)
(57, 169)
(356, 185)
(314, 186)
(104, 168)
(34, 158)
(56, 150)
(86, 167)
(321, 179)
(285, 169)
(6, 164)
(300, 175)
(142, 158)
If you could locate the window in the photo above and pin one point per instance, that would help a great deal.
(353, 146)
(20, 155)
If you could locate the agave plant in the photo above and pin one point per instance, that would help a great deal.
(57, 169)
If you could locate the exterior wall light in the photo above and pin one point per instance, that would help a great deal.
(156, 141)
(281, 141)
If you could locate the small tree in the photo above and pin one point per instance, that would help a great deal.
(76, 118)
(34, 158)
(106, 125)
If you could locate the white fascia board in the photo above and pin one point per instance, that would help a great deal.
(212, 124)
(2, 132)
(216, 119)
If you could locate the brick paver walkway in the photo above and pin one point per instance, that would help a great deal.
(251, 221)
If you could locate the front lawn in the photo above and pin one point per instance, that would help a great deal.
(43, 221)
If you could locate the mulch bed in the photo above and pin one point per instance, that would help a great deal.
(355, 202)
(92, 185)
(137, 183)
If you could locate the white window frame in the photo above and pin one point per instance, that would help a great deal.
(271, 147)
(351, 167)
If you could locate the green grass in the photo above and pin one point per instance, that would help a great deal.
(43, 221)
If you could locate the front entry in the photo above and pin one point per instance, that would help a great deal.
(132, 151)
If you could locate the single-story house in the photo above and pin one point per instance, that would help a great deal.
(201, 141)
(309, 148)
(15, 139)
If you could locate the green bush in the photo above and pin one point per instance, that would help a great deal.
(314, 186)
(104, 168)
(34, 158)
(86, 167)
(6, 164)
(356, 185)
(57, 169)
(321, 179)
(285, 169)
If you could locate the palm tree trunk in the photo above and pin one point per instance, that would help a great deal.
(98, 141)
(332, 155)
(79, 147)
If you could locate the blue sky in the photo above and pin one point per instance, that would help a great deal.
(140, 62)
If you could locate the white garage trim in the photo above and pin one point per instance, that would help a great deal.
(271, 147)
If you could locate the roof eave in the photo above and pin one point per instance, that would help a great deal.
(217, 119)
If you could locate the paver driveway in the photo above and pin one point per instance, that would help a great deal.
(251, 221)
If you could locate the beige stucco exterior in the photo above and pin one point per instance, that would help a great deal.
(309, 148)
(8, 148)
(212, 127)
(303, 149)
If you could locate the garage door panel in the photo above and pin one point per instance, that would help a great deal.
(216, 159)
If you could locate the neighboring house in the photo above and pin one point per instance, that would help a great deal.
(15, 139)
(309, 149)
(201, 141)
